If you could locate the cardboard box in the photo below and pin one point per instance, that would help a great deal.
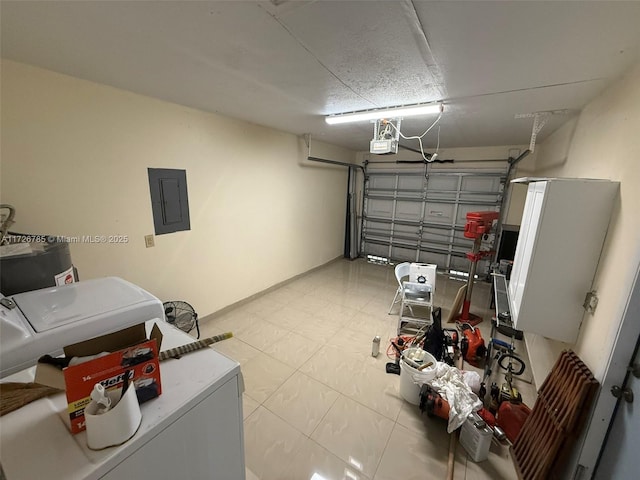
(132, 355)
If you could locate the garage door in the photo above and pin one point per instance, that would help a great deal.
(412, 216)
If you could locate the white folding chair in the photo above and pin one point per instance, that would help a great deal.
(415, 295)
(402, 271)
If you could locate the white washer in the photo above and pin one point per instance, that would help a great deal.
(192, 431)
(43, 321)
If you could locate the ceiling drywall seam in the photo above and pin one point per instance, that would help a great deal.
(331, 72)
(525, 89)
(422, 42)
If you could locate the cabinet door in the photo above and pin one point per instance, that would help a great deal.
(525, 249)
(205, 442)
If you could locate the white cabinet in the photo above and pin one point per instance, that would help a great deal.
(192, 431)
(206, 442)
(563, 229)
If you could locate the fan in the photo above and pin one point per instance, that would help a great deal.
(181, 315)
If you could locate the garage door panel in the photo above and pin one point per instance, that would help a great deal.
(481, 199)
(459, 263)
(410, 218)
(379, 225)
(406, 230)
(378, 250)
(380, 208)
(439, 259)
(442, 197)
(378, 234)
(409, 211)
(458, 236)
(481, 184)
(436, 235)
(382, 182)
(462, 264)
(443, 182)
(439, 212)
(414, 183)
(403, 254)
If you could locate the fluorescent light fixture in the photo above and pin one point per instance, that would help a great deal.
(392, 112)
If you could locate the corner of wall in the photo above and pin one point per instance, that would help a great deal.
(554, 152)
(602, 142)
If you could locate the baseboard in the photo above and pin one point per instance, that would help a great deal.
(543, 353)
(239, 303)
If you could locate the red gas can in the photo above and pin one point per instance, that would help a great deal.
(511, 418)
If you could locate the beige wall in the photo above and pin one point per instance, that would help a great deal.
(603, 142)
(74, 162)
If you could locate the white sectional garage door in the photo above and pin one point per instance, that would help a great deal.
(408, 216)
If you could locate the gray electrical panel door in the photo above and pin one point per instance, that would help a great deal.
(410, 216)
(169, 200)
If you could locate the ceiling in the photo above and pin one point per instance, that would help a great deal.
(287, 64)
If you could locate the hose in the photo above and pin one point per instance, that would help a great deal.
(8, 221)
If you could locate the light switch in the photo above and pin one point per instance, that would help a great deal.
(148, 241)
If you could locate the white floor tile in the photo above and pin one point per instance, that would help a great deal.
(260, 334)
(412, 456)
(288, 317)
(263, 375)
(236, 349)
(372, 326)
(320, 331)
(310, 303)
(313, 461)
(302, 402)
(355, 434)
(380, 304)
(249, 405)
(330, 367)
(269, 440)
(249, 475)
(499, 465)
(337, 314)
(360, 343)
(293, 349)
(379, 391)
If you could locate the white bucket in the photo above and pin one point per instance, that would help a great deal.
(409, 389)
(115, 426)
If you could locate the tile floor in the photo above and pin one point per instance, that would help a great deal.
(317, 405)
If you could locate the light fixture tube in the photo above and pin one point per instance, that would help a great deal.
(393, 112)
